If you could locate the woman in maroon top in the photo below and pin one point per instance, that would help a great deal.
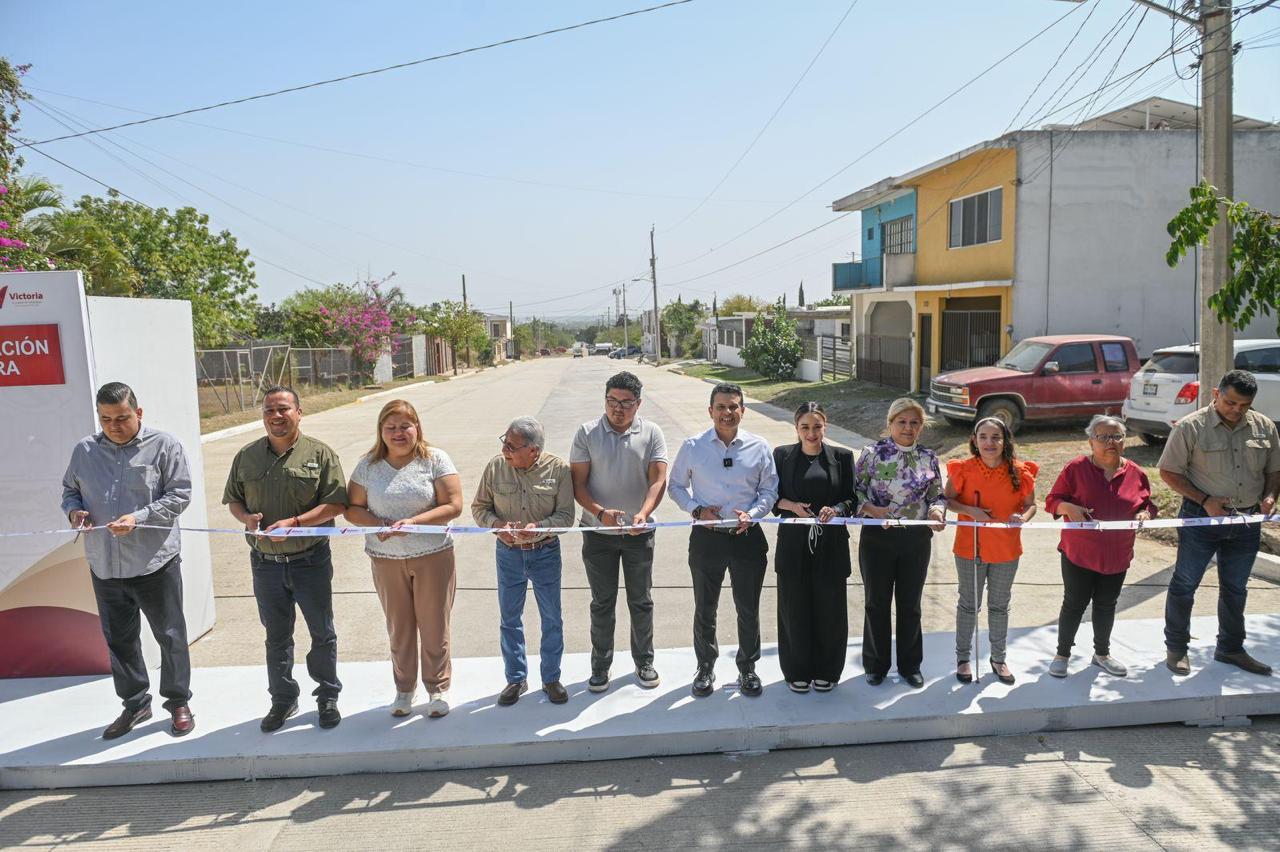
(1102, 486)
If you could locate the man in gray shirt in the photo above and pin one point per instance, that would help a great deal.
(619, 468)
(126, 476)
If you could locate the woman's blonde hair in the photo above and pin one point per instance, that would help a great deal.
(899, 405)
(398, 406)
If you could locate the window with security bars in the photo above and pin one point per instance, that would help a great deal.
(899, 236)
(977, 219)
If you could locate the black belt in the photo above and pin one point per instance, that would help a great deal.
(286, 558)
(1242, 510)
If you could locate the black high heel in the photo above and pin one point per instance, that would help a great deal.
(962, 677)
(1005, 679)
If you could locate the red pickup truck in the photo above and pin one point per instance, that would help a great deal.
(1055, 377)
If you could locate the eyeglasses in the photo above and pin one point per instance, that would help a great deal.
(624, 404)
(1109, 439)
(508, 446)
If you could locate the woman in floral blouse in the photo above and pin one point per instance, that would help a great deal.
(896, 478)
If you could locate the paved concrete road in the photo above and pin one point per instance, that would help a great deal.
(1166, 787)
(465, 417)
(1160, 787)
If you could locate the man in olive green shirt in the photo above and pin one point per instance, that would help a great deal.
(527, 487)
(1223, 459)
(280, 481)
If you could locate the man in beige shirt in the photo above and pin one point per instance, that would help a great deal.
(1223, 459)
(522, 489)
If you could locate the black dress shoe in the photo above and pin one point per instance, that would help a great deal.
(276, 715)
(875, 678)
(1244, 661)
(749, 684)
(915, 679)
(704, 682)
(556, 693)
(328, 711)
(126, 722)
(511, 694)
(1005, 679)
(964, 677)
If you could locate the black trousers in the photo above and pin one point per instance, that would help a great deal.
(1080, 586)
(813, 622)
(158, 596)
(306, 583)
(601, 555)
(894, 564)
(746, 558)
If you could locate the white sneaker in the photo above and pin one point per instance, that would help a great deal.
(439, 705)
(403, 705)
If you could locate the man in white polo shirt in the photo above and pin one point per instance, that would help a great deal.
(619, 468)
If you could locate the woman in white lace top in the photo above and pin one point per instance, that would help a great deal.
(401, 481)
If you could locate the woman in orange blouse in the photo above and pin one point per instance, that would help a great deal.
(991, 485)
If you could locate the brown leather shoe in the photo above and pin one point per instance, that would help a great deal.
(183, 721)
(1178, 662)
(556, 692)
(126, 722)
(1244, 661)
(512, 693)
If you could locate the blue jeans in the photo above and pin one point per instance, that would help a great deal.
(1236, 548)
(516, 569)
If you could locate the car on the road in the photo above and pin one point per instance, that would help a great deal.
(544, 351)
(1052, 377)
(617, 353)
(602, 349)
(561, 350)
(579, 350)
(1166, 388)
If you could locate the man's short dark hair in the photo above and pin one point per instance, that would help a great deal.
(726, 387)
(624, 381)
(1240, 381)
(114, 393)
(297, 403)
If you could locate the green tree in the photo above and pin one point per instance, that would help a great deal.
(19, 251)
(175, 256)
(773, 349)
(680, 324)
(1254, 285)
(831, 301)
(456, 325)
(304, 323)
(739, 303)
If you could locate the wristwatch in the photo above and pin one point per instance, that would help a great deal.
(697, 511)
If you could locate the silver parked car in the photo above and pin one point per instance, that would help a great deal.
(1165, 389)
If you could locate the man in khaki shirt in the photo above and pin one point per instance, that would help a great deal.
(1223, 459)
(521, 489)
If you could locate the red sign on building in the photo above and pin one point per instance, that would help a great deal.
(30, 355)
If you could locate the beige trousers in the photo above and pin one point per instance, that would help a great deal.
(417, 596)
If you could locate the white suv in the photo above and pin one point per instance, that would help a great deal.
(1165, 389)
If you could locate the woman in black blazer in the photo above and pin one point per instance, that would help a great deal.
(815, 480)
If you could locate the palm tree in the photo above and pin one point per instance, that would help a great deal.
(72, 240)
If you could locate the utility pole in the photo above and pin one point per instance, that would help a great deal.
(511, 321)
(653, 276)
(465, 310)
(1217, 339)
(626, 337)
(715, 318)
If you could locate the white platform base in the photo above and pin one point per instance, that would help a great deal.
(50, 735)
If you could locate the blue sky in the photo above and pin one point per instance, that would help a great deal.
(538, 168)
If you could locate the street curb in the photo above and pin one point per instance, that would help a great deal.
(1267, 567)
(232, 431)
(838, 434)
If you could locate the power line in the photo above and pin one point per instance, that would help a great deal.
(895, 134)
(768, 123)
(369, 73)
(109, 187)
(762, 252)
(377, 158)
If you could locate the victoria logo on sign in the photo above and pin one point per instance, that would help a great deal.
(30, 297)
